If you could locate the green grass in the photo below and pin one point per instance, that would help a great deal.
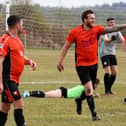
(61, 112)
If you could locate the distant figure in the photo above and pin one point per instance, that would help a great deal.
(108, 56)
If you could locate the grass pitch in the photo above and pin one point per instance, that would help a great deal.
(61, 112)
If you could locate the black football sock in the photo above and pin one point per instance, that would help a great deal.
(3, 118)
(106, 82)
(37, 94)
(83, 96)
(79, 102)
(64, 92)
(19, 117)
(112, 80)
(90, 101)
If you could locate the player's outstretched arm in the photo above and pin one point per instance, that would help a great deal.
(122, 40)
(124, 45)
(115, 28)
(30, 62)
(65, 48)
(1, 69)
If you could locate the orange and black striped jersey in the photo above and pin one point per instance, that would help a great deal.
(13, 52)
(86, 44)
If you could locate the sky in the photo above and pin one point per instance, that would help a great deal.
(72, 3)
(75, 3)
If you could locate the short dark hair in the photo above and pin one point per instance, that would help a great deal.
(13, 20)
(85, 14)
(109, 19)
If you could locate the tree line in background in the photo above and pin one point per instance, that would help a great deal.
(48, 27)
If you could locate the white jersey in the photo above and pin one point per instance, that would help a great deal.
(109, 48)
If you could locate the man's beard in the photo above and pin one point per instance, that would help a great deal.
(90, 25)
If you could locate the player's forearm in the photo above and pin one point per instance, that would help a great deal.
(124, 46)
(30, 62)
(115, 28)
(122, 39)
(64, 51)
(27, 60)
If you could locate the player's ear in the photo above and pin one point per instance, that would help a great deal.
(18, 25)
(85, 20)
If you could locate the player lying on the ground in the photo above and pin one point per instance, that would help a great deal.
(74, 92)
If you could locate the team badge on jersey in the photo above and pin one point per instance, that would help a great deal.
(15, 93)
(105, 63)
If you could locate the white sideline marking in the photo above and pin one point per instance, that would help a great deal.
(50, 82)
(61, 82)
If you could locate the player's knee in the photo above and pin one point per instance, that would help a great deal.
(89, 92)
(114, 73)
(18, 104)
(5, 107)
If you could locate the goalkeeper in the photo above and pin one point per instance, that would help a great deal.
(62, 92)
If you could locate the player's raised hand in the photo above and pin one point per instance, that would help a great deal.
(60, 67)
(33, 65)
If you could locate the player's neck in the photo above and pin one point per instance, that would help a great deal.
(86, 27)
(13, 33)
